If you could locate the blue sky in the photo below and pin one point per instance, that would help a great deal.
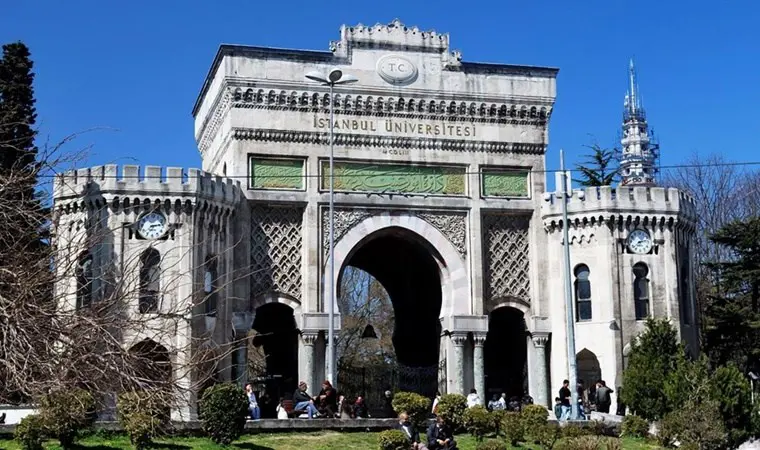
(133, 69)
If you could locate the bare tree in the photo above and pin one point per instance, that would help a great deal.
(723, 192)
(65, 320)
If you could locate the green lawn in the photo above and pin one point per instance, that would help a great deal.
(277, 441)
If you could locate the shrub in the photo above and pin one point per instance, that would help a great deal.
(452, 407)
(65, 414)
(30, 433)
(731, 390)
(478, 422)
(497, 417)
(652, 358)
(613, 444)
(534, 417)
(547, 435)
(697, 425)
(491, 445)
(586, 442)
(634, 426)
(417, 406)
(573, 431)
(392, 440)
(142, 417)
(223, 412)
(512, 427)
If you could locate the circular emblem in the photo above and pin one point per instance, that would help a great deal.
(396, 69)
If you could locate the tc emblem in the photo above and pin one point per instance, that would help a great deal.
(396, 69)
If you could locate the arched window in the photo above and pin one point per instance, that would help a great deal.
(209, 285)
(582, 293)
(150, 281)
(641, 290)
(84, 281)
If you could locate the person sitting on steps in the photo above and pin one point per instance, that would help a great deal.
(411, 433)
(327, 400)
(303, 401)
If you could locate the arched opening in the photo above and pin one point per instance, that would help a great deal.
(505, 353)
(153, 371)
(273, 358)
(210, 288)
(407, 267)
(84, 281)
(589, 370)
(641, 290)
(583, 311)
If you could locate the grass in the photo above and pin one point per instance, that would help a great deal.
(276, 441)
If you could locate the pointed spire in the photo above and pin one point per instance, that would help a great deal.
(639, 154)
(633, 97)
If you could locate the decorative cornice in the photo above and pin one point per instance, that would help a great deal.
(212, 124)
(532, 111)
(597, 219)
(358, 140)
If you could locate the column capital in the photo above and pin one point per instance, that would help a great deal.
(540, 339)
(309, 338)
(459, 338)
(479, 339)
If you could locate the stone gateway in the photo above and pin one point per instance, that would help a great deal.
(440, 194)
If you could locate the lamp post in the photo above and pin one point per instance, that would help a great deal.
(571, 363)
(334, 78)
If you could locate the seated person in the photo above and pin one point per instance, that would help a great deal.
(303, 401)
(440, 437)
(360, 408)
(327, 400)
(411, 433)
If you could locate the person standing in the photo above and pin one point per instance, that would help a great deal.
(564, 399)
(603, 397)
(473, 399)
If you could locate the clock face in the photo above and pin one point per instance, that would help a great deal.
(639, 242)
(152, 225)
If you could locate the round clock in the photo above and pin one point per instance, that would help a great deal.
(640, 242)
(152, 225)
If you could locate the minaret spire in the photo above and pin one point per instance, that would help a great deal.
(637, 165)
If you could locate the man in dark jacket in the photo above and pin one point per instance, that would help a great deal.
(303, 401)
(440, 437)
(603, 398)
(328, 400)
(411, 433)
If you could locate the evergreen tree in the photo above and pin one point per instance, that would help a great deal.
(17, 112)
(599, 169)
(654, 355)
(732, 331)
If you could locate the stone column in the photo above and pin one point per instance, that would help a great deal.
(541, 383)
(458, 359)
(309, 353)
(477, 366)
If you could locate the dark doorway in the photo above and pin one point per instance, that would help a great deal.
(505, 353)
(277, 341)
(405, 265)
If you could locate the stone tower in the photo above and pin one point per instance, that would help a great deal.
(638, 161)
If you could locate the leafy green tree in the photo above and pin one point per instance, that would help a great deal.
(688, 382)
(732, 320)
(599, 169)
(654, 355)
(731, 390)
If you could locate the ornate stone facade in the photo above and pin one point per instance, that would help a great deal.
(439, 177)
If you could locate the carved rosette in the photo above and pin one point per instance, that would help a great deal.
(453, 225)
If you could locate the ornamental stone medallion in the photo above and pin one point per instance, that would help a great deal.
(397, 69)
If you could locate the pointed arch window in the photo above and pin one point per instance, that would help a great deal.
(582, 293)
(641, 290)
(84, 281)
(150, 281)
(210, 288)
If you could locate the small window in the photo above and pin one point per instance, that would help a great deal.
(84, 281)
(150, 281)
(582, 293)
(641, 290)
(210, 288)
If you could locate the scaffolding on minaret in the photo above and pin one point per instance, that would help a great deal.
(640, 151)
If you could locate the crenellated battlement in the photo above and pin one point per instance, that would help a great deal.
(635, 201)
(393, 34)
(147, 180)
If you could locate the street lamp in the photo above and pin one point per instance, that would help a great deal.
(333, 78)
(572, 369)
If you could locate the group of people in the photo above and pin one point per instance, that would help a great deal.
(602, 400)
(440, 436)
(325, 404)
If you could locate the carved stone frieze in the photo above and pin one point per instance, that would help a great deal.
(453, 225)
(357, 140)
